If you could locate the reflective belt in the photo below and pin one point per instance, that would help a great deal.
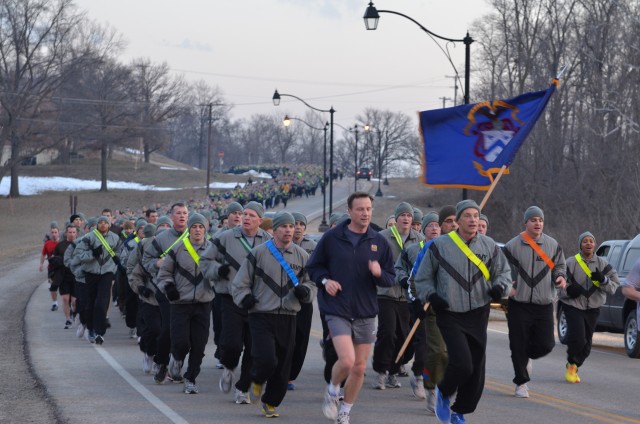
(276, 254)
(178, 240)
(191, 250)
(397, 236)
(104, 242)
(531, 242)
(469, 254)
(136, 239)
(586, 269)
(245, 243)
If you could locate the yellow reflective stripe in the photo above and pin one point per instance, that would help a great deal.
(191, 250)
(469, 254)
(421, 244)
(178, 240)
(397, 236)
(586, 269)
(104, 242)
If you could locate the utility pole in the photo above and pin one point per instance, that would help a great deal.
(455, 88)
(444, 99)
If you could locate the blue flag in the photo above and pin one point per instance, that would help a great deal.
(465, 146)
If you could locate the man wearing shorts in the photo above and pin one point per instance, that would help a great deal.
(350, 261)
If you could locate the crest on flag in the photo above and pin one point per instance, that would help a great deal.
(465, 146)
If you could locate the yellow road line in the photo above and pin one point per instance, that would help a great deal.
(548, 400)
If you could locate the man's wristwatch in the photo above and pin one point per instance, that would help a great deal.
(324, 281)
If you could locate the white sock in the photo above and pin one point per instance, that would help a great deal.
(345, 408)
(334, 389)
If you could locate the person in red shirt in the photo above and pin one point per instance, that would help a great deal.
(47, 251)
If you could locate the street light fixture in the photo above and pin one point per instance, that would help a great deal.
(287, 122)
(276, 101)
(371, 18)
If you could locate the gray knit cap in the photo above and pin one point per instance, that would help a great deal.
(233, 207)
(446, 212)
(91, 222)
(533, 211)
(403, 207)
(283, 218)
(196, 218)
(149, 230)
(255, 206)
(428, 219)
(333, 219)
(53, 224)
(164, 219)
(484, 218)
(103, 218)
(466, 204)
(417, 215)
(140, 223)
(299, 217)
(583, 235)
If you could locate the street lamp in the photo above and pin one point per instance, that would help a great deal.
(371, 18)
(367, 129)
(355, 131)
(276, 101)
(287, 122)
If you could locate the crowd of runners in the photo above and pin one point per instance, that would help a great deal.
(173, 271)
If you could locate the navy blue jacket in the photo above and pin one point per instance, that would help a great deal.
(335, 258)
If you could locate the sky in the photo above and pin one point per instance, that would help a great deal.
(317, 50)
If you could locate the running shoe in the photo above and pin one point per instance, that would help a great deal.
(190, 387)
(99, 339)
(54, 307)
(392, 382)
(146, 363)
(343, 418)
(431, 400)
(417, 386)
(381, 381)
(402, 372)
(255, 392)
(330, 405)
(522, 391)
(68, 324)
(443, 410)
(571, 375)
(175, 367)
(241, 398)
(226, 380)
(269, 411)
(457, 418)
(80, 331)
(161, 375)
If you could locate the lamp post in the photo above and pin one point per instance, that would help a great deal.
(367, 128)
(371, 18)
(276, 101)
(287, 122)
(355, 131)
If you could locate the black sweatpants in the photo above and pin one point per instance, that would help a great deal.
(82, 301)
(393, 328)
(99, 293)
(530, 335)
(235, 337)
(271, 336)
(130, 300)
(216, 318)
(151, 328)
(163, 341)
(189, 334)
(303, 329)
(580, 327)
(465, 334)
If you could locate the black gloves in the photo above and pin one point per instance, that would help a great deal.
(97, 251)
(172, 292)
(574, 290)
(418, 309)
(301, 292)
(404, 283)
(598, 276)
(496, 293)
(223, 271)
(145, 291)
(437, 302)
(248, 302)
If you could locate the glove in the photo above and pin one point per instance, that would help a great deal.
(223, 271)
(598, 276)
(172, 292)
(97, 251)
(248, 302)
(574, 290)
(301, 292)
(145, 291)
(404, 283)
(418, 309)
(496, 293)
(437, 302)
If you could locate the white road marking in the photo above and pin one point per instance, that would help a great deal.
(153, 399)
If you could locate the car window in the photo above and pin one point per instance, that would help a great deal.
(615, 256)
(629, 260)
(603, 251)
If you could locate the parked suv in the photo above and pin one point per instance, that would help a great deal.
(617, 314)
(364, 173)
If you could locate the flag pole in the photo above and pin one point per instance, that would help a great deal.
(494, 183)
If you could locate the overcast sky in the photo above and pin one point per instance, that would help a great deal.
(317, 50)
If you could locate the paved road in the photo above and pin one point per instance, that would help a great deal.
(82, 383)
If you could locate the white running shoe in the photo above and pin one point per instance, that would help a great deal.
(522, 391)
(417, 386)
(226, 380)
(146, 363)
(330, 405)
(241, 398)
(80, 331)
